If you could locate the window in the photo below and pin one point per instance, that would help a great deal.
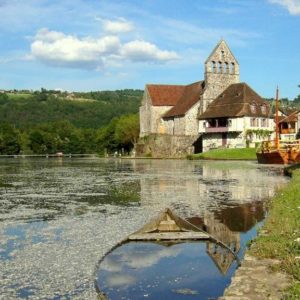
(263, 109)
(226, 68)
(220, 67)
(232, 68)
(204, 124)
(253, 122)
(253, 108)
(213, 66)
(263, 123)
(229, 123)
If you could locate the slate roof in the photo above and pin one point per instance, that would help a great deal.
(236, 101)
(190, 96)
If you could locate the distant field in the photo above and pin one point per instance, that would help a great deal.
(18, 96)
(230, 154)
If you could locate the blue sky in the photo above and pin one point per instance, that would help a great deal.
(82, 45)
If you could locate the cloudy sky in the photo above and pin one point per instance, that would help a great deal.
(81, 45)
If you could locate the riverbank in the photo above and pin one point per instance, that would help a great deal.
(271, 269)
(226, 154)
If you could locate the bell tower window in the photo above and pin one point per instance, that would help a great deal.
(220, 69)
(213, 67)
(232, 68)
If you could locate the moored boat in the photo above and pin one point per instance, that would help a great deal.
(278, 152)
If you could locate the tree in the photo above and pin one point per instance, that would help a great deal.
(127, 130)
(9, 140)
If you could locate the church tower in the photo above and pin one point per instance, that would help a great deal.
(221, 70)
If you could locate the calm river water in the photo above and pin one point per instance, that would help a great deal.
(59, 216)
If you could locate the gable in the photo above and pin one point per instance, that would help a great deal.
(189, 98)
(237, 101)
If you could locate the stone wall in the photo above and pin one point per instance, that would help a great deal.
(164, 146)
(150, 117)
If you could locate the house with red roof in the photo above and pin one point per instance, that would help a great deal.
(214, 112)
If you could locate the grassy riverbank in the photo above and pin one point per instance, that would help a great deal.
(229, 154)
(280, 237)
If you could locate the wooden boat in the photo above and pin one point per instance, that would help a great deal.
(168, 226)
(278, 152)
(169, 229)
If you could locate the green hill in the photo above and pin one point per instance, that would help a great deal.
(83, 110)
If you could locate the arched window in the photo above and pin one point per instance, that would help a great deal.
(226, 68)
(232, 68)
(213, 67)
(263, 109)
(220, 67)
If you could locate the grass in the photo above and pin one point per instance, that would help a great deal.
(19, 96)
(281, 230)
(224, 153)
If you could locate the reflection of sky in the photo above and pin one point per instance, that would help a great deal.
(138, 258)
(61, 216)
(160, 272)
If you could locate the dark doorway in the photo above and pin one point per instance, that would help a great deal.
(198, 145)
(224, 139)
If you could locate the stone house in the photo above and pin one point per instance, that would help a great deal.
(169, 114)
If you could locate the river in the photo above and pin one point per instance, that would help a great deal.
(59, 216)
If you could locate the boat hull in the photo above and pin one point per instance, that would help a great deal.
(273, 157)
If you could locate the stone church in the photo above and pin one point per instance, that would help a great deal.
(176, 120)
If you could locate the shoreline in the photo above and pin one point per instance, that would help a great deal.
(271, 266)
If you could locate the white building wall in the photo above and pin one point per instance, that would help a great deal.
(236, 135)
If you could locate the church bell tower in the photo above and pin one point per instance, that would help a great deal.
(221, 70)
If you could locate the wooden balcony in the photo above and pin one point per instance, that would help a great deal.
(288, 131)
(216, 129)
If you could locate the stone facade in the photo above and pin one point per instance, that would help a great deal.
(221, 70)
(160, 146)
(172, 113)
(150, 117)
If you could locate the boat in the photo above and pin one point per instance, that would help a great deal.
(168, 226)
(277, 151)
(157, 240)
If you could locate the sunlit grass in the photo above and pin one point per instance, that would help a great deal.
(230, 154)
(281, 238)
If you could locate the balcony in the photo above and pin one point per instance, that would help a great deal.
(288, 131)
(216, 129)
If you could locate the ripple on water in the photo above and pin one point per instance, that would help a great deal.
(62, 215)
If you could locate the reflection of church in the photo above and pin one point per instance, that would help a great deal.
(202, 187)
(221, 256)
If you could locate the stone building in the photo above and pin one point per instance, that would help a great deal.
(169, 114)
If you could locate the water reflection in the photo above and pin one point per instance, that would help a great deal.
(160, 271)
(59, 216)
(133, 269)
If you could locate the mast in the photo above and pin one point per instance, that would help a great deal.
(276, 121)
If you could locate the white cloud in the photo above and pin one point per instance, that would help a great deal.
(144, 51)
(58, 49)
(120, 280)
(293, 6)
(119, 26)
